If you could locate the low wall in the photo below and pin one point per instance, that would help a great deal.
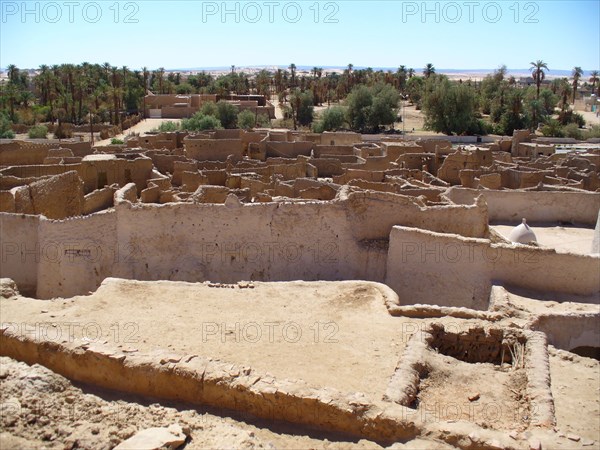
(452, 270)
(203, 381)
(535, 206)
(338, 240)
(288, 149)
(213, 150)
(13, 154)
(569, 331)
(21, 250)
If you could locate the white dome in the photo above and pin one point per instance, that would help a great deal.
(522, 234)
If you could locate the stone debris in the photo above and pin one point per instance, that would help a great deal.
(188, 358)
(156, 438)
(129, 350)
(474, 397)
(8, 288)
(172, 359)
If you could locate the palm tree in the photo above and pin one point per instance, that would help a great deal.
(13, 73)
(42, 82)
(293, 74)
(411, 72)
(594, 79)
(577, 72)
(538, 74)
(82, 88)
(400, 77)
(428, 70)
(160, 73)
(11, 95)
(116, 92)
(107, 67)
(263, 83)
(278, 79)
(564, 91)
(146, 76)
(350, 77)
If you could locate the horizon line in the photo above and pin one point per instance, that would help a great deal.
(306, 66)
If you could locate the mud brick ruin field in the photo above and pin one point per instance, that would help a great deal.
(280, 289)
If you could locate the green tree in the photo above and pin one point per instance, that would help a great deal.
(302, 104)
(166, 127)
(513, 118)
(572, 130)
(538, 74)
(594, 79)
(209, 109)
(371, 107)
(38, 132)
(492, 92)
(332, 119)
(359, 105)
(428, 70)
(568, 116)
(577, 73)
(414, 89)
(548, 101)
(384, 109)
(200, 122)
(227, 114)
(263, 83)
(553, 128)
(564, 91)
(5, 130)
(246, 119)
(293, 76)
(184, 88)
(450, 108)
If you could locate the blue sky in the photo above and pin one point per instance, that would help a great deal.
(183, 34)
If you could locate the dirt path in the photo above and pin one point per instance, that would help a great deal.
(142, 127)
(590, 117)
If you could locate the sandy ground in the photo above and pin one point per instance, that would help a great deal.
(139, 128)
(576, 392)
(564, 239)
(328, 334)
(359, 353)
(413, 121)
(43, 409)
(500, 391)
(591, 118)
